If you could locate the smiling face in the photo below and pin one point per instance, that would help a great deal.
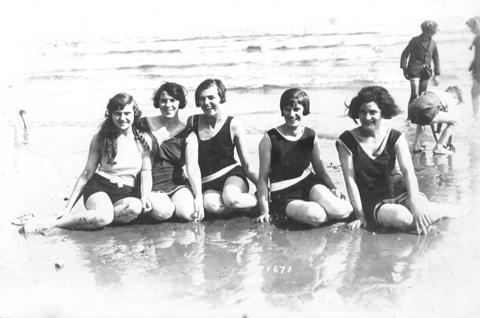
(370, 116)
(209, 101)
(123, 118)
(293, 115)
(168, 105)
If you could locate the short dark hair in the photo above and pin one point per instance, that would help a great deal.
(175, 90)
(294, 96)
(429, 25)
(377, 94)
(457, 91)
(206, 84)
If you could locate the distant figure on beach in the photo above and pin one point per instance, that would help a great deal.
(118, 154)
(416, 60)
(174, 145)
(474, 25)
(287, 155)
(379, 194)
(22, 113)
(436, 107)
(224, 182)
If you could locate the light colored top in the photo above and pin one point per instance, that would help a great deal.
(447, 101)
(128, 162)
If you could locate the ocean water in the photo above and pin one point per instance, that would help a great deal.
(59, 79)
(230, 267)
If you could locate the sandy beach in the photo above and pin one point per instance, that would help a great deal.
(236, 264)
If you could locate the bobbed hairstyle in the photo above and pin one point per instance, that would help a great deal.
(293, 97)
(175, 90)
(206, 84)
(377, 94)
(457, 91)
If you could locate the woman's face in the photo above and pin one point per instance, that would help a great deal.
(123, 118)
(168, 105)
(370, 116)
(209, 101)
(293, 115)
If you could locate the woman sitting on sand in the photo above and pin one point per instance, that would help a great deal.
(224, 182)
(368, 154)
(173, 146)
(287, 153)
(118, 154)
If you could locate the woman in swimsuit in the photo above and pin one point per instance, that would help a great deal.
(380, 196)
(118, 155)
(173, 146)
(224, 182)
(287, 155)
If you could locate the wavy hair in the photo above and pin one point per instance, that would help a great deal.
(108, 133)
(377, 94)
(175, 90)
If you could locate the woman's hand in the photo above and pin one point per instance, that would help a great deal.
(421, 219)
(199, 212)
(357, 224)
(61, 214)
(264, 218)
(338, 194)
(146, 205)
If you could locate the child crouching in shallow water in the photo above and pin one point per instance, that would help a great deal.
(368, 154)
(435, 107)
(286, 154)
(118, 154)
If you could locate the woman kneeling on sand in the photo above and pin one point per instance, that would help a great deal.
(224, 182)
(118, 154)
(379, 194)
(287, 154)
(173, 146)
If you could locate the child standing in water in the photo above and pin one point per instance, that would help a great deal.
(224, 182)
(416, 60)
(368, 153)
(474, 25)
(287, 153)
(118, 154)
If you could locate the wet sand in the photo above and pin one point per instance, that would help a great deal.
(233, 267)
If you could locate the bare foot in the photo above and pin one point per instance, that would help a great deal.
(37, 226)
(441, 150)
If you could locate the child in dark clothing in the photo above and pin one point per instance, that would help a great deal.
(474, 25)
(416, 60)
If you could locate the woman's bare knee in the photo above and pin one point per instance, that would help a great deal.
(334, 206)
(307, 212)
(162, 206)
(395, 215)
(184, 207)
(127, 210)
(213, 202)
